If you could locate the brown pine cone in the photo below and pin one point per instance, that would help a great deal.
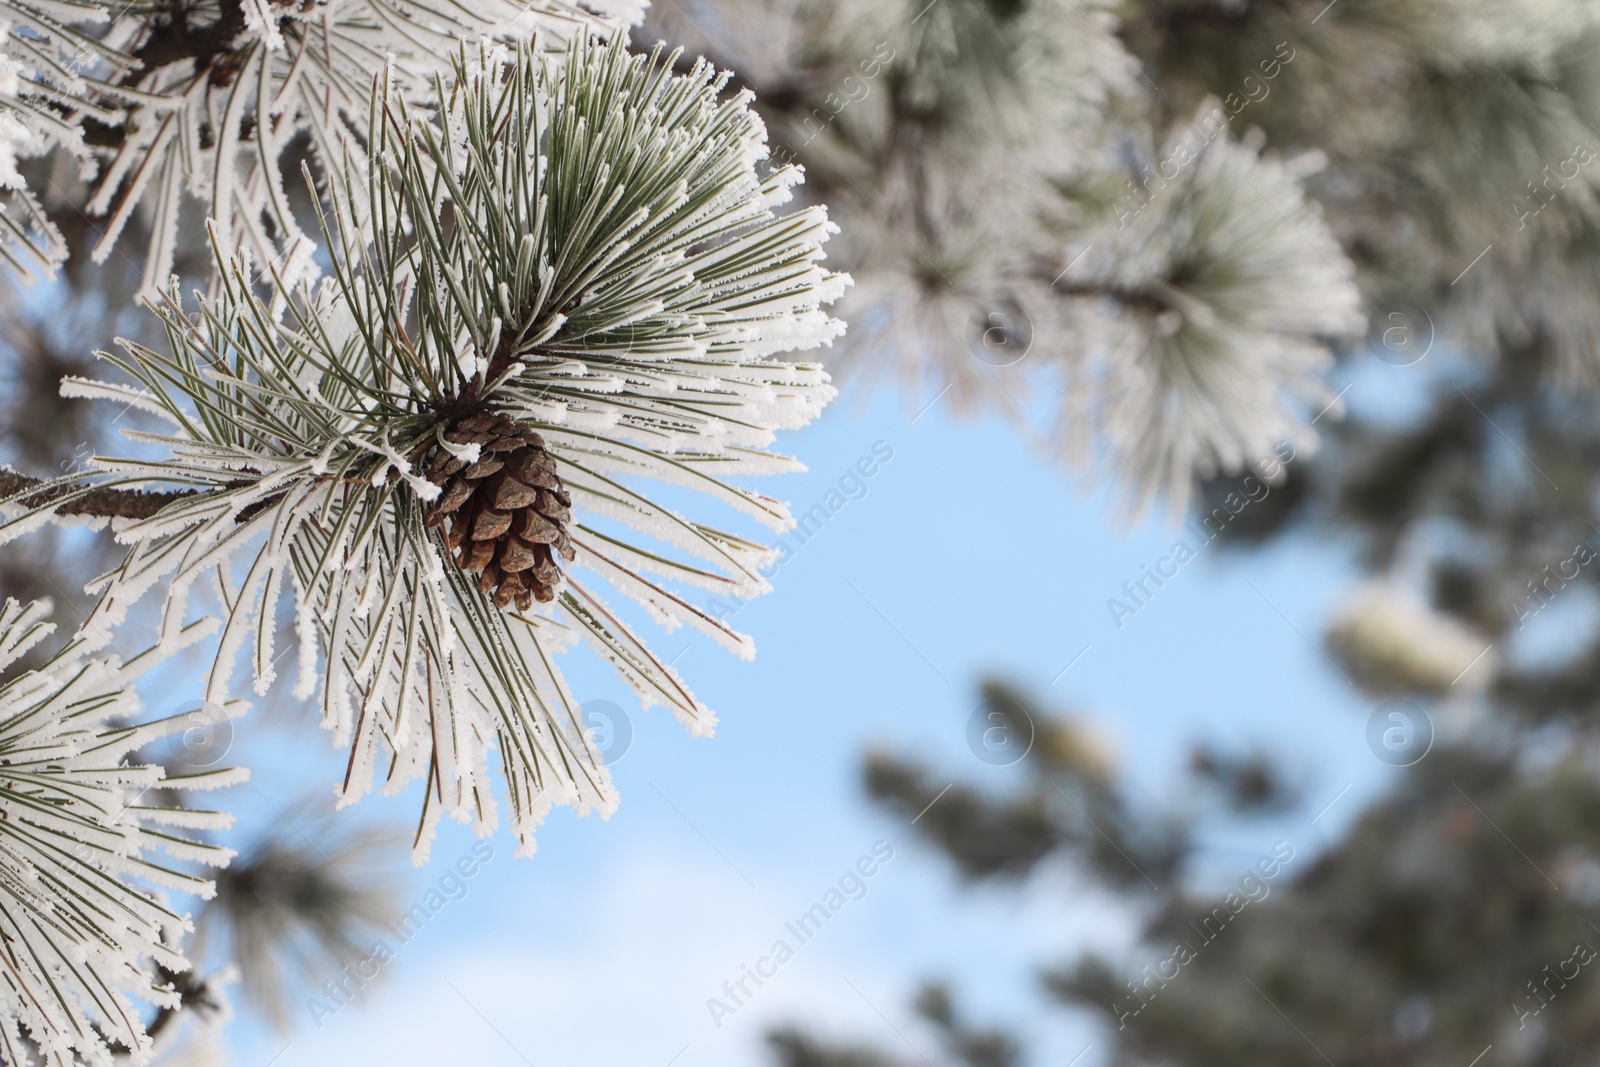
(506, 515)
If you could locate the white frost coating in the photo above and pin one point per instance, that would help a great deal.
(76, 388)
(78, 926)
(1211, 384)
(635, 333)
(14, 138)
(261, 20)
(197, 131)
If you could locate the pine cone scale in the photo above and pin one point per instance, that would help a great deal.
(511, 495)
(490, 524)
(474, 556)
(517, 556)
(536, 529)
(553, 508)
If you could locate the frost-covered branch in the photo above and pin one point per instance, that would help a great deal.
(569, 282)
(161, 100)
(103, 502)
(83, 922)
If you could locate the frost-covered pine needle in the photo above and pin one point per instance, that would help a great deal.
(203, 99)
(585, 245)
(82, 923)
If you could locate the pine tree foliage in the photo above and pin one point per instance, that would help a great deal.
(1485, 134)
(586, 247)
(82, 918)
(1207, 326)
(582, 249)
(1444, 920)
(1032, 233)
(1454, 914)
(298, 904)
(161, 100)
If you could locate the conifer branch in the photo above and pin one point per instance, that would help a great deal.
(103, 503)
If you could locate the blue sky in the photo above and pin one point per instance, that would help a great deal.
(968, 556)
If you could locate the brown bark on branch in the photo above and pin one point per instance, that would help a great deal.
(105, 503)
